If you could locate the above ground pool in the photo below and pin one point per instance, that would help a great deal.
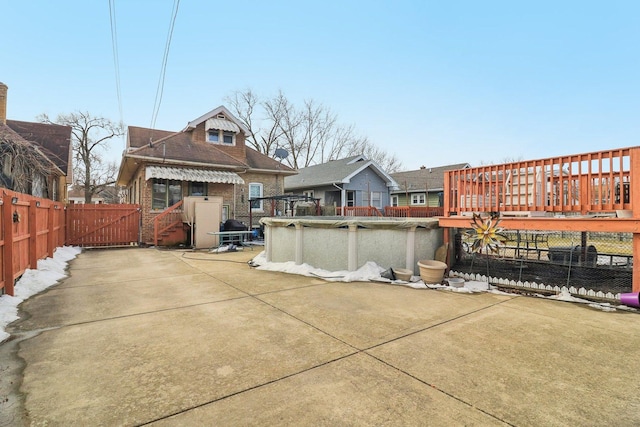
(347, 243)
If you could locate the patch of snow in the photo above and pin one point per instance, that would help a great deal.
(226, 248)
(48, 273)
(564, 295)
(370, 272)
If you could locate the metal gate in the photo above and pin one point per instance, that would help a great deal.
(102, 225)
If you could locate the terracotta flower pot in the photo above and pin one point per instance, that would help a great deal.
(432, 271)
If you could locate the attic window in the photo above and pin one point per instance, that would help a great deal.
(221, 131)
(227, 137)
(213, 135)
(219, 136)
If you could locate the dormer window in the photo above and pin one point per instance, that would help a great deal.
(221, 131)
(221, 136)
(214, 135)
(227, 137)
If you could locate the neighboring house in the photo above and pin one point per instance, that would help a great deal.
(35, 157)
(354, 181)
(76, 196)
(207, 158)
(107, 195)
(422, 187)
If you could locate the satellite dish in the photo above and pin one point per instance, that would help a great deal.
(281, 153)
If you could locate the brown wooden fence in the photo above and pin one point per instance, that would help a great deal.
(31, 228)
(413, 211)
(102, 225)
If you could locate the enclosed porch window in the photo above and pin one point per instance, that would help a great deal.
(165, 193)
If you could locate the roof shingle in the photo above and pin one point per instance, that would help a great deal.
(424, 179)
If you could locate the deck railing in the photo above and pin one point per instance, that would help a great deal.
(413, 211)
(358, 211)
(595, 182)
(166, 221)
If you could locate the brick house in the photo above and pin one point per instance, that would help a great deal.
(35, 158)
(209, 157)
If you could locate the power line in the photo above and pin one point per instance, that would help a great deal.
(163, 68)
(116, 61)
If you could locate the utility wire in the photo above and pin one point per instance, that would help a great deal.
(163, 68)
(116, 61)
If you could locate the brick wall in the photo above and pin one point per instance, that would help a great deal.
(273, 185)
(236, 199)
(237, 151)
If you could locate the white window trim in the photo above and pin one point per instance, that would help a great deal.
(220, 140)
(395, 200)
(261, 185)
(350, 202)
(371, 198)
(415, 199)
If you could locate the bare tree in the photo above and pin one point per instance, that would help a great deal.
(264, 133)
(311, 134)
(91, 135)
(24, 167)
(389, 162)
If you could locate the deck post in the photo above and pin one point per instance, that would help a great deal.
(7, 256)
(635, 281)
(33, 234)
(634, 198)
(447, 194)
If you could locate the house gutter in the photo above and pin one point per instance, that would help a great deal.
(186, 163)
(276, 172)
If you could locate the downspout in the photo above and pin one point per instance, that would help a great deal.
(234, 196)
(342, 196)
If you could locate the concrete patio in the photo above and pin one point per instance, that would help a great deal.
(179, 338)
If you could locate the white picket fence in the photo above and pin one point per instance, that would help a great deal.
(533, 286)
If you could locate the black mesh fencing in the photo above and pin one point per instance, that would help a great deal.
(599, 262)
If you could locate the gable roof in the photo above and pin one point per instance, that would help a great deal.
(53, 140)
(423, 179)
(334, 172)
(177, 147)
(212, 116)
(180, 148)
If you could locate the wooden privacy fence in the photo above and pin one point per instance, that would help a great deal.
(102, 225)
(31, 228)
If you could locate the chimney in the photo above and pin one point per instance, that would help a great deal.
(3, 103)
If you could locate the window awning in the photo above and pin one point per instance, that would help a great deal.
(193, 175)
(222, 125)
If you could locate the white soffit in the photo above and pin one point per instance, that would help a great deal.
(222, 124)
(193, 175)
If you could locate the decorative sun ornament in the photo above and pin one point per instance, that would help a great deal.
(486, 234)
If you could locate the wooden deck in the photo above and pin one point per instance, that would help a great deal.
(581, 192)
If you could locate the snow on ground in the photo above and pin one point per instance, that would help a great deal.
(370, 272)
(49, 272)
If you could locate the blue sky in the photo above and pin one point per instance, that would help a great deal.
(435, 82)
